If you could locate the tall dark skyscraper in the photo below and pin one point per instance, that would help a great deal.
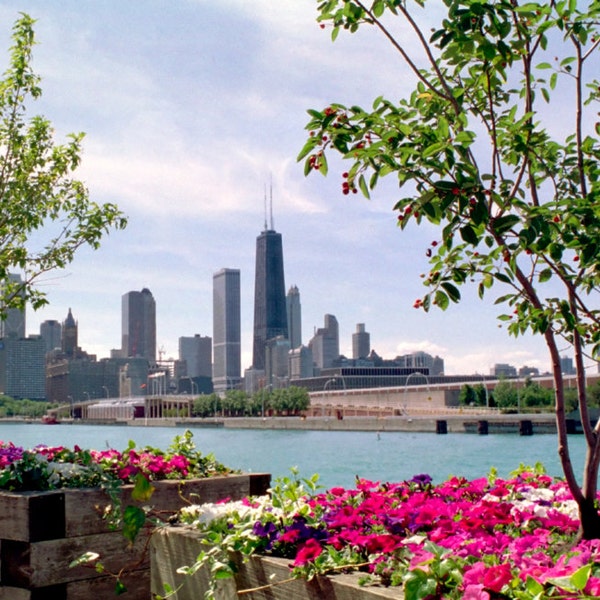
(138, 325)
(294, 317)
(227, 361)
(270, 313)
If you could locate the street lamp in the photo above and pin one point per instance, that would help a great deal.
(418, 374)
(70, 399)
(105, 389)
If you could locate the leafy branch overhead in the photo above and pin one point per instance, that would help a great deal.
(497, 145)
(472, 145)
(40, 199)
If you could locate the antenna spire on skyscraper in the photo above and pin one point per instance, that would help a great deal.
(265, 202)
(271, 197)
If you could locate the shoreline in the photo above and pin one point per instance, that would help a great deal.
(480, 424)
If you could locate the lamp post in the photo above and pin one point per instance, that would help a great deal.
(105, 390)
(70, 399)
(418, 374)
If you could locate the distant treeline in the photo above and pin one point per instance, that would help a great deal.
(236, 403)
(531, 395)
(11, 407)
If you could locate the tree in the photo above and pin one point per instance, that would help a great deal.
(505, 395)
(46, 215)
(468, 396)
(480, 153)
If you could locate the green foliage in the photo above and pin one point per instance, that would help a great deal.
(10, 407)
(39, 196)
(515, 205)
(478, 152)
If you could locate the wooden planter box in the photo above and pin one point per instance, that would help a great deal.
(42, 532)
(171, 548)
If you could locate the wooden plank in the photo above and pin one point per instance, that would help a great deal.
(103, 588)
(172, 548)
(84, 507)
(32, 516)
(47, 563)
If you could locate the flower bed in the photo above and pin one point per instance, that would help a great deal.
(483, 539)
(59, 504)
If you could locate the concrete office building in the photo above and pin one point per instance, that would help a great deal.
(270, 312)
(227, 328)
(193, 370)
(196, 351)
(325, 344)
(294, 317)
(301, 363)
(138, 325)
(361, 342)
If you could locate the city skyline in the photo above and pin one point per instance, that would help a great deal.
(188, 111)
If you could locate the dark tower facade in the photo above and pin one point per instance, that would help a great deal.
(69, 336)
(138, 325)
(270, 311)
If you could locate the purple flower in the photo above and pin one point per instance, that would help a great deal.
(422, 479)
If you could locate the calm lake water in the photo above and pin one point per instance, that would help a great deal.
(337, 456)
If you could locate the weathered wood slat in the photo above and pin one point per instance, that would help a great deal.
(175, 547)
(47, 563)
(100, 588)
(42, 532)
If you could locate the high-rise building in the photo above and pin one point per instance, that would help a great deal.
(361, 342)
(138, 325)
(270, 313)
(294, 317)
(196, 351)
(325, 344)
(69, 336)
(51, 332)
(22, 367)
(13, 325)
(301, 363)
(227, 347)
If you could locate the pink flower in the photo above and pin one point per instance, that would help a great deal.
(592, 587)
(475, 592)
(496, 577)
(308, 552)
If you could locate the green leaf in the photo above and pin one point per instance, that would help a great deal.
(143, 489)
(452, 291)
(581, 577)
(503, 224)
(533, 586)
(433, 149)
(85, 558)
(120, 588)
(133, 520)
(441, 300)
(545, 275)
(468, 235)
(362, 184)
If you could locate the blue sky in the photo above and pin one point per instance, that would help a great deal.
(190, 109)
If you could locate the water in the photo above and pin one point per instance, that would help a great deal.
(337, 456)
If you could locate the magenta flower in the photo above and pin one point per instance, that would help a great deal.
(310, 550)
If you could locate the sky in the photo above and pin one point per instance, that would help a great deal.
(192, 109)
